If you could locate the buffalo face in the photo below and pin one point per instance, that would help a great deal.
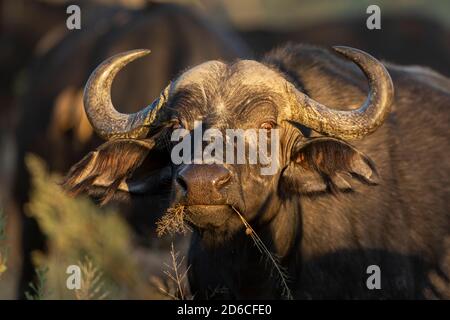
(158, 146)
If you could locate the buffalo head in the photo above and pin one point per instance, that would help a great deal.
(216, 97)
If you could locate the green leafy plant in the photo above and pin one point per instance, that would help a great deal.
(76, 228)
(38, 290)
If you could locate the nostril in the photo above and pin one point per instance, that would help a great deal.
(182, 183)
(220, 182)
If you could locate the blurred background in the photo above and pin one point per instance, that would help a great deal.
(43, 129)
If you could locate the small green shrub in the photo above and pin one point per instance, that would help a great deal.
(38, 291)
(80, 233)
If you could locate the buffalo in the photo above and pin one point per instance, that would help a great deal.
(52, 123)
(361, 182)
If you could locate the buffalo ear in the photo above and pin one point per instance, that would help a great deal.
(327, 164)
(111, 168)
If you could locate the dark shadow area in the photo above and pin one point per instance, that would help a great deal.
(403, 39)
(343, 275)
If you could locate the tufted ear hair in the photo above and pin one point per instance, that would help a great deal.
(326, 164)
(118, 166)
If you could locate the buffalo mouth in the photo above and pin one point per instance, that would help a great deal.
(209, 216)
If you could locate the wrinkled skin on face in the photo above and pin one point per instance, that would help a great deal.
(227, 97)
(244, 95)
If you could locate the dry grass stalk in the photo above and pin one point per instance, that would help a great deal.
(92, 286)
(166, 288)
(270, 256)
(176, 288)
(172, 222)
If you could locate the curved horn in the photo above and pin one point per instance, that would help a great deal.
(102, 115)
(357, 123)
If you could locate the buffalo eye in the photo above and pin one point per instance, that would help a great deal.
(176, 124)
(268, 125)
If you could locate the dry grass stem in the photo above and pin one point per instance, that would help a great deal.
(270, 256)
(172, 222)
(176, 288)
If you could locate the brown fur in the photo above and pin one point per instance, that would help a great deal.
(397, 219)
